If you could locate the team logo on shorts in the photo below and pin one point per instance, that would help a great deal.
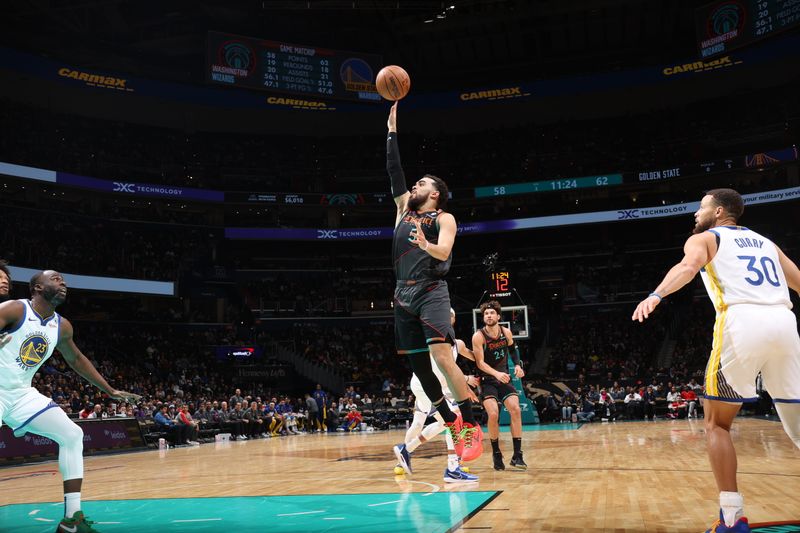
(792, 526)
(32, 351)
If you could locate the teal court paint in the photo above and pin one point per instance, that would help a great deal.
(406, 512)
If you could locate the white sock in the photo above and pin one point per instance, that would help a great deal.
(72, 503)
(452, 461)
(413, 445)
(732, 505)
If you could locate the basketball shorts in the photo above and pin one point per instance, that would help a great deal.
(422, 316)
(18, 407)
(422, 403)
(493, 389)
(749, 339)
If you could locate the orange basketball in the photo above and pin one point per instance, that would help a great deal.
(393, 82)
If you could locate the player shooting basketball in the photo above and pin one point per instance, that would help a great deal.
(424, 235)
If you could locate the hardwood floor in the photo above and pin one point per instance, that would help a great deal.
(621, 477)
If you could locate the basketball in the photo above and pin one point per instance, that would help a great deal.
(393, 82)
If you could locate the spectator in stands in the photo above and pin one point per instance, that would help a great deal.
(633, 404)
(567, 401)
(184, 418)
(229, 423)
(353, 420)
(332, 421)
(550, 409)
(608, 405)
(649, 403)
(585, 409)
(255, 420)
(690, 397)
(176, 433)
(676, 404)
(237, 415)
(88, 409)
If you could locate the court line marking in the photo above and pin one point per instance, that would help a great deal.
(334, 518)
(34, 512)
(383, 503)
(44, 519)
(298, 514)
(433, 488)
(198, 520)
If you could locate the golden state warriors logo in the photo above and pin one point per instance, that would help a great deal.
(32, 351)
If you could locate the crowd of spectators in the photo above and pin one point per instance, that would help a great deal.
(644, 400)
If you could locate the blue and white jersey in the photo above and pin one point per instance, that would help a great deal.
(32, 343)
(746, 269)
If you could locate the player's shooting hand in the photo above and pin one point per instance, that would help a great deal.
(519, 372)
(125, 396)
(645, 307)
(417, 236)
(502, 377)
(392, 122)
(5, 338)
(473, 381)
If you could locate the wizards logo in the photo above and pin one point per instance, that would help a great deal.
(32, 351)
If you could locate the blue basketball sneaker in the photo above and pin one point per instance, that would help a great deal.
(741, 526)
(459, 476)
(403, 457)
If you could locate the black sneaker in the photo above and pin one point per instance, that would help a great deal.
(518, 462)
(497, 458)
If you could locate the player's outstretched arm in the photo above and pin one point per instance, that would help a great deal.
(790, 270)
(81, 364)
(698, 251)
(463, 351)
(393, 166)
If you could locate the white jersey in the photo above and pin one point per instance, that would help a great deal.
(745, 270)
(415, 383)
(32, 343)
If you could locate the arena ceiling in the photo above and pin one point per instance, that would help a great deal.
(448, 43)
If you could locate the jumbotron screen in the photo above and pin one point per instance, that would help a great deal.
(315, 72)
(728, 24)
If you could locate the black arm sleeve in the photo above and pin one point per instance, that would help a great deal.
(513, 351)
(393, 166)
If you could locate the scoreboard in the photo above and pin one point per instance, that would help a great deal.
(311, 71)
(728, 24)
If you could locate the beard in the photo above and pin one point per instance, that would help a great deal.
(701, 226)
(415, 202)
(53, 296)
(4, 296)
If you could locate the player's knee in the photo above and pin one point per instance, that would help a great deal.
(513, 409)
(74, 437)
